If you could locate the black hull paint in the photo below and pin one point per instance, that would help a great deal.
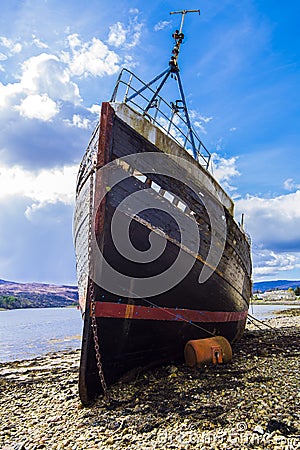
(128, 343)
(148, 343)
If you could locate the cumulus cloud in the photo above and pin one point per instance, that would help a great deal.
(224, 169)
(8, 94)
(274, 227)
(275, 222)
(79, 122)
(125, 36)
(39, 249)
(200, 121)
(268, 263)
(39, 107)
(45, 73)
(38, 43)
(122, 36)
(117, 34)
(200, 124)
(135, 30)
(40, 187)
(290, 185)
(12, 45)
(43, 82)
(95, 109)
(90, 58)
(36, 220)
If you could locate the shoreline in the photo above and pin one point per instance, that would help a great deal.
(39, 307)
(275, 302)
(44, 352)
(254, 302)
(250, 402)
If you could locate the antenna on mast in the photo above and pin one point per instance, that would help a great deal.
(179, 36)
(172, 69)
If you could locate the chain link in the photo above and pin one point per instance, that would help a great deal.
(92, 294)
(96, 341)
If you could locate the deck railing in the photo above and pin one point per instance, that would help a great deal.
(132, 90)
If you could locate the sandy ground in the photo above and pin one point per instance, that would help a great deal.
(251, 402)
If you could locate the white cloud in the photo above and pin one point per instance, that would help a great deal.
(44, 80)
(117, 34)
(8, 94)
(290, 185)
(269, 263)
(126, 37)
(91, 58)
(12, 46)
(45, 73)
(134, 33)
(37, 106)
(199, 121)
(274, 227)
(3, 57)
(74, 41)
(224, 170)
(79, 122)
(17, 48)
(95, 109)
(41, 187)
(161, 25)
(278, 216)
(200, 126)
(38, 43)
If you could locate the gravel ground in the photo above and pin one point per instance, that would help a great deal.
(252, 402)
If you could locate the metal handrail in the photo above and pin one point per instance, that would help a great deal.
(166, 116)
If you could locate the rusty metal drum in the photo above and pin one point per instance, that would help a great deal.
(214, 350)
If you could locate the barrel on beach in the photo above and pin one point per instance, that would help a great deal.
(215, 350)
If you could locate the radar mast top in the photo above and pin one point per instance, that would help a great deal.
(180, 104)
(179, 36)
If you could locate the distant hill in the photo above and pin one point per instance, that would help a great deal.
(39, 295)
(278, 284)
(36, 295)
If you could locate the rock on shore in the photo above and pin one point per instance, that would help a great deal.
(252, 402)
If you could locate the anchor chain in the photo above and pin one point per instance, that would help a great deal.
(96, 341)
(92, 294)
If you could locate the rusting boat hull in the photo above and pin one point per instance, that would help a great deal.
(136, 332)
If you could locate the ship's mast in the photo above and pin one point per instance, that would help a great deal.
(179, 36)
(180, 104)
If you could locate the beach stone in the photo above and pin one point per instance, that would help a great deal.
(258, 429)
(260, 395)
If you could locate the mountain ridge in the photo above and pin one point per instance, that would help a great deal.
(275, 284)
(47, 295)
(36, 295)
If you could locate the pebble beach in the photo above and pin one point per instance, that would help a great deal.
(251, 402)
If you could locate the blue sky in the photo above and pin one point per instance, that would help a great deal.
(240, 66)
